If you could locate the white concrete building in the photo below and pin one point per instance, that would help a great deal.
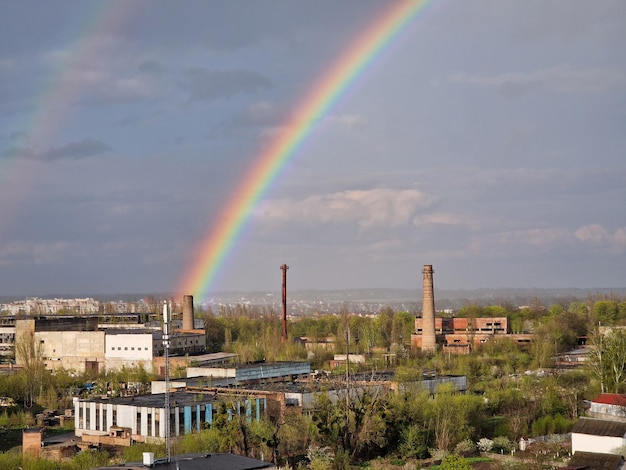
(144, 415)
(79, 344)
(128, 349)
(598, 435)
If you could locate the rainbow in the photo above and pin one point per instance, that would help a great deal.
(325, 94)
(52, 105)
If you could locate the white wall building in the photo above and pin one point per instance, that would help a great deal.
(127, 349)
(598, 435)
(145, 415)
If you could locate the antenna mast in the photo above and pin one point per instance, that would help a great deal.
(166, 350)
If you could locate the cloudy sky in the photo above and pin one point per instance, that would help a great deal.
(488, 140)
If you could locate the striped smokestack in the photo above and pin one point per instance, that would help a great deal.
(188, 312)
(429, 341)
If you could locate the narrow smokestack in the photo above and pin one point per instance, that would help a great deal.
(188, 312)
(284, 268)
(429, 342)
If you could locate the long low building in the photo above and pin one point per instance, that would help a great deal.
(143, 417)
(253, 372)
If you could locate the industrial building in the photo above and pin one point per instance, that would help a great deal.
(95, 343)
(455, 335)
(123, 421)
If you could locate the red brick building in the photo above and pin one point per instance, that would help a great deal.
(462, 335)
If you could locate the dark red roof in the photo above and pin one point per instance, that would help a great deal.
(611, 399)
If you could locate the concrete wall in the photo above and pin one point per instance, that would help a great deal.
(606, 411)
(128, 350)
(597, 444)
(72, 350)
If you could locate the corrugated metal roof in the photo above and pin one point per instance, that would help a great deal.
(600, 427)
(595, 461)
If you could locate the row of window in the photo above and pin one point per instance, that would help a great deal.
(132, 348)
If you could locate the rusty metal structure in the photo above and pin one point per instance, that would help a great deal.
(284, 268)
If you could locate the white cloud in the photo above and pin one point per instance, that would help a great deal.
(36, 253)
(370, 209)
(591, 233)
(553, 238)
(619, 238)
(134, 86)
(560, 78)
(599, 236)
(535, 237)
(441, 218)
(348, 121)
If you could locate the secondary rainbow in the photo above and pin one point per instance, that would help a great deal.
(324, 95)
(52, 104)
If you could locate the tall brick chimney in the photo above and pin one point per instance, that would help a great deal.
(188, 322)
(429, 340)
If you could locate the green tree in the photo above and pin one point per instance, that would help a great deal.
(606, 311)
(294, 434)
(607, 359)
(29, 354)
(615, 355)
(409, 431)
(453, 416)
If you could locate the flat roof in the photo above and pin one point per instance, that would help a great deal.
(179, 397)
(215, 461)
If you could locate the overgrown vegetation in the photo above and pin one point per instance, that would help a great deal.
(514, 391)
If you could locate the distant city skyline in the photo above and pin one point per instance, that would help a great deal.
(488, 140)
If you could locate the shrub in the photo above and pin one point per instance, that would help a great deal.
(465, 448)
(485, 445)
(455, 462)
(502, 444)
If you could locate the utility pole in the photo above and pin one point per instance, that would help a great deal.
(347, 366)
(284, 268)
